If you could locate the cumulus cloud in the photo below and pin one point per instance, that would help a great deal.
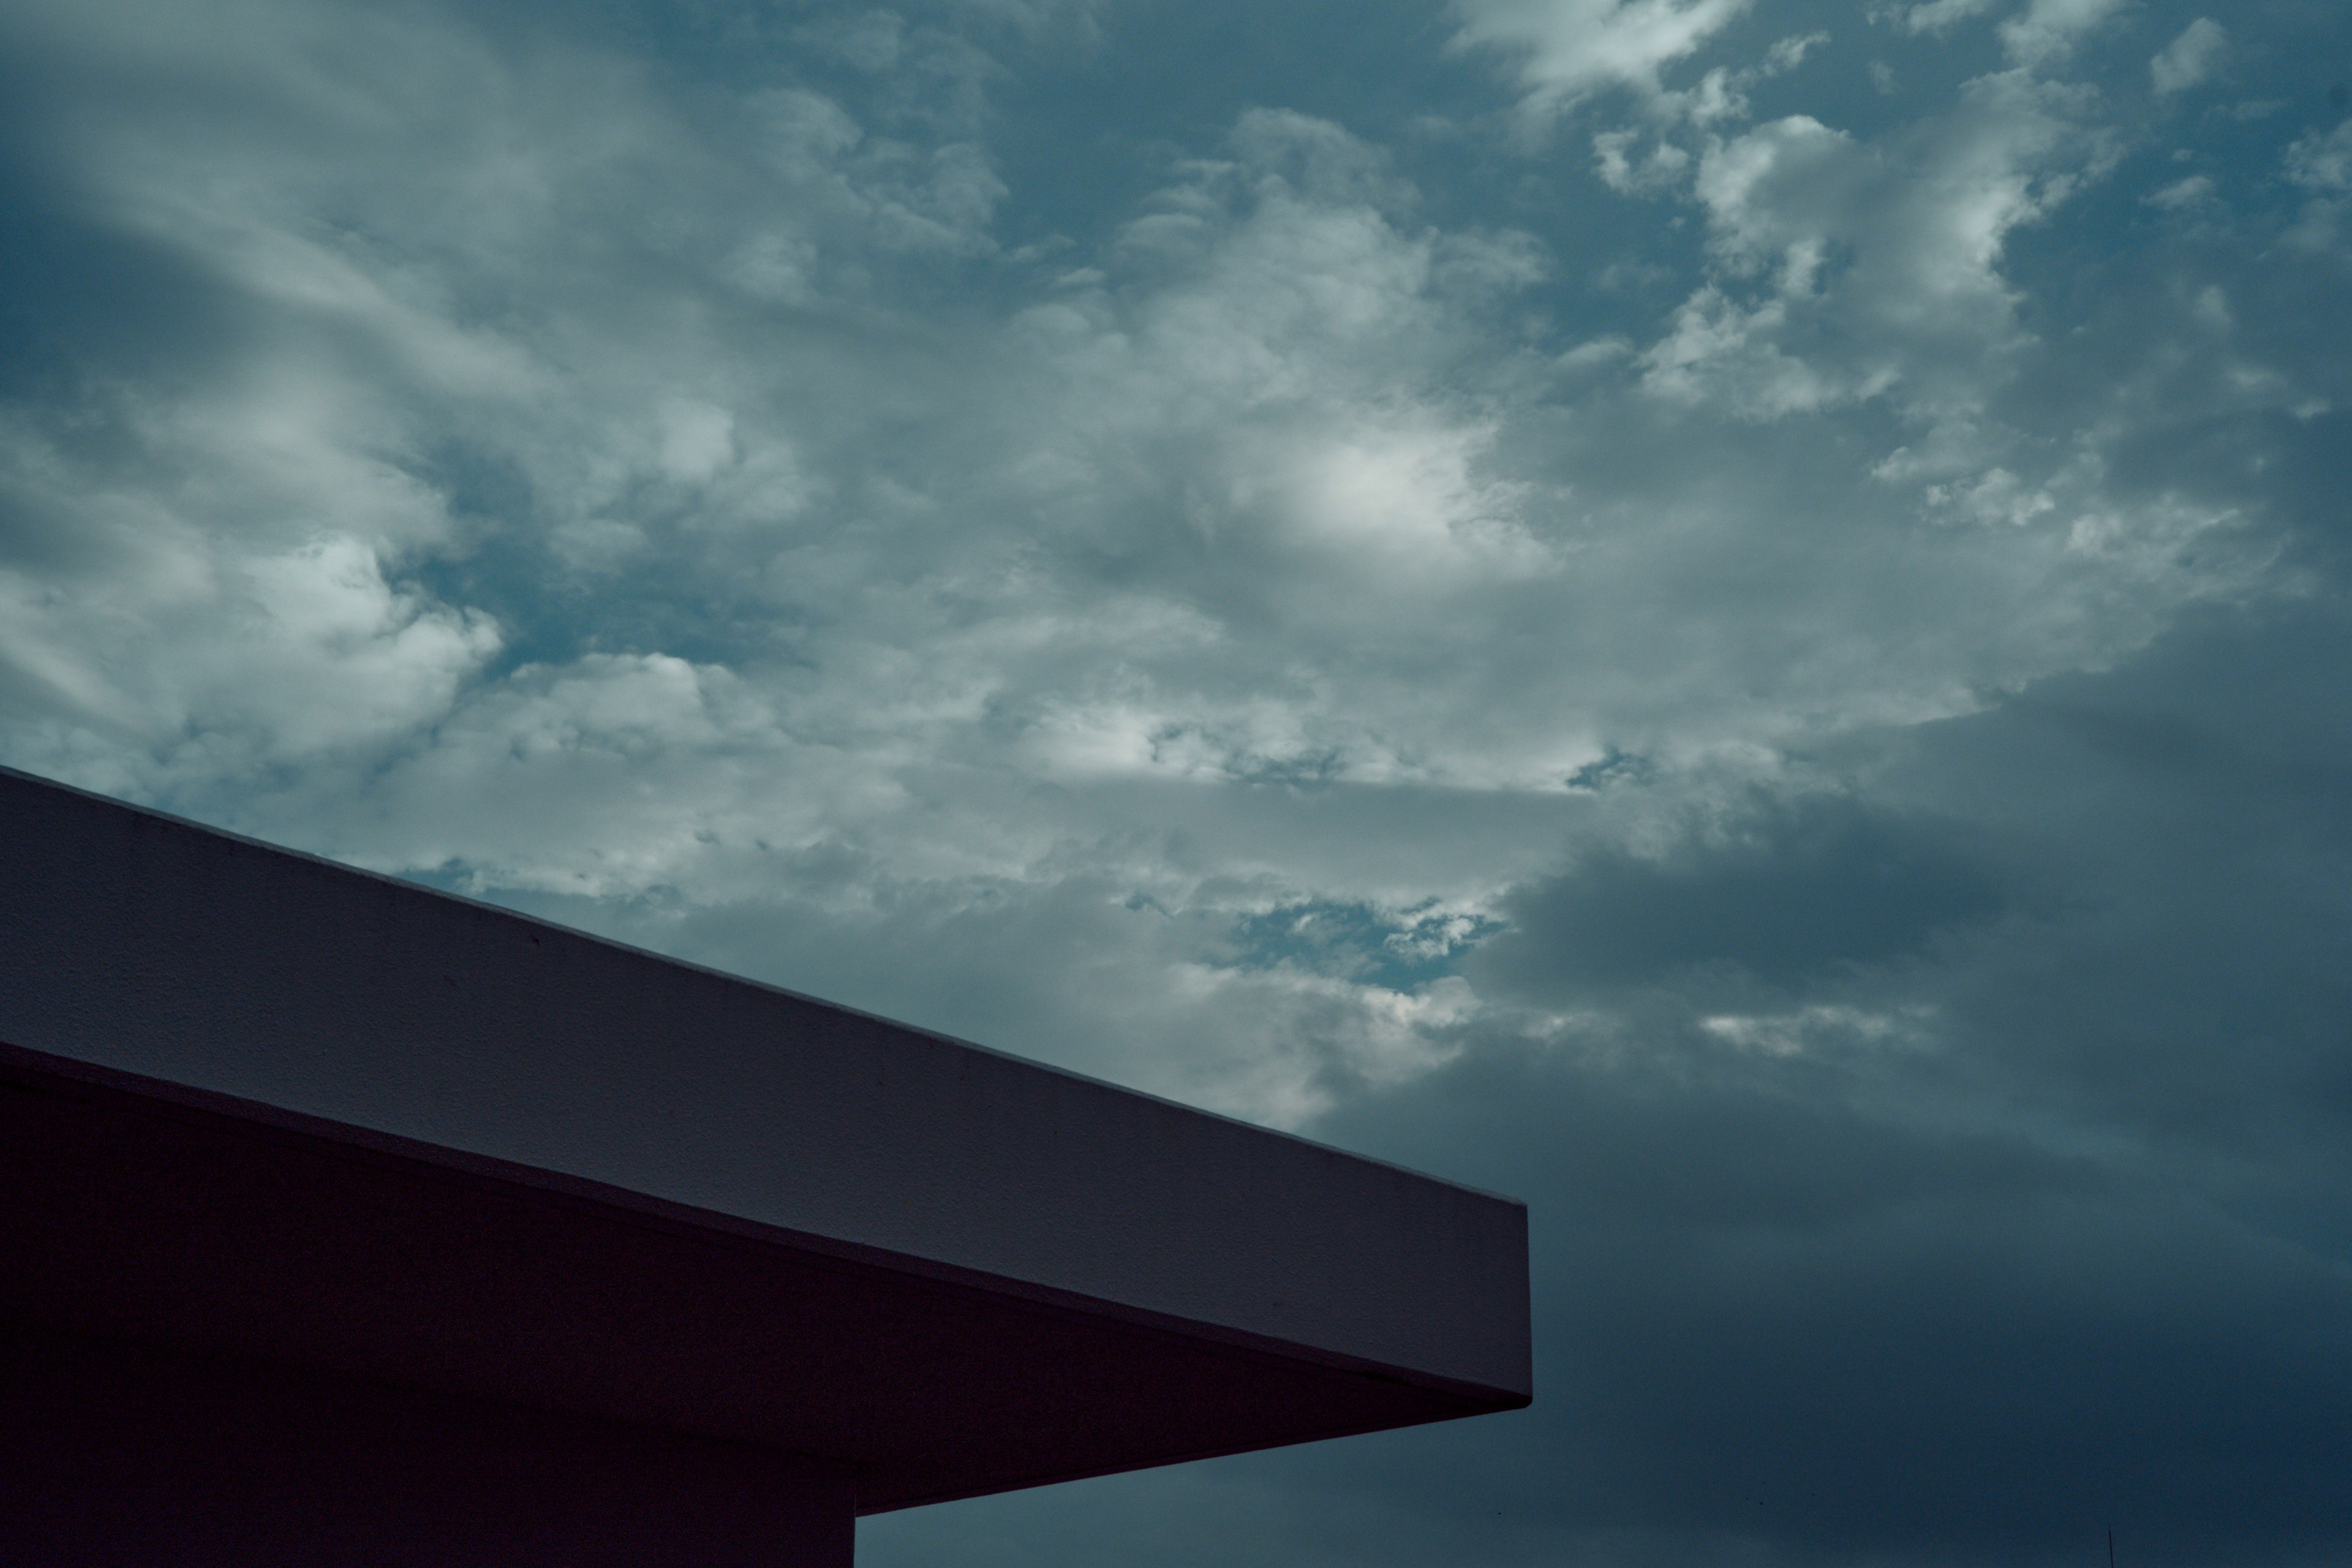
(1936, 15)
(2323, 162)
(2048, 30)
(1753, 667)
(2190, 58)
(1849, 270)
(1568, 49)
(2192, 192)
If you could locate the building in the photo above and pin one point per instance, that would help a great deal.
(342, 1221)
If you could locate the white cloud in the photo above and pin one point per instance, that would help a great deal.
(211, 663)
(2190, 58)
(1849, 269)
(1791, 52)
(1282, 350)
(1663, 166)
(2323, 163)
(878, 583)
(1722, 355)
(1814, 1029)
(1937, 16)
(1572, 48)
(2048, 30)
(2194, 191)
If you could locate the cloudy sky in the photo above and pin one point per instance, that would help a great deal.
(1728, 615)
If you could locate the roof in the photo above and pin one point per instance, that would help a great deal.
(531, 1164)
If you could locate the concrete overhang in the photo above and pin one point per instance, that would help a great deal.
(270, 1111)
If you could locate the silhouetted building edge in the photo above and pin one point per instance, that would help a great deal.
(278, 1114)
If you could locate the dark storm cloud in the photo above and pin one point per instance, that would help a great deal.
(1790, 1320)
(2074, 1253)
(2195, 800)
(2066, 1253)
(1783, 891)
(1850, 1329)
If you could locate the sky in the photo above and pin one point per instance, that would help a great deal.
(1729, 617)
